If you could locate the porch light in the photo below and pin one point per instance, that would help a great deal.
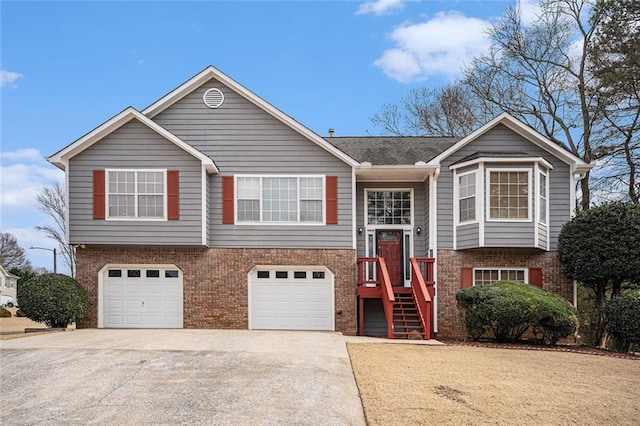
(418, 230)
(360, 230)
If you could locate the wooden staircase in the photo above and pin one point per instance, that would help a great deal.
(406, 321)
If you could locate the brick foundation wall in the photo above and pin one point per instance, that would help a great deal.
(215, 280)
(450, 263)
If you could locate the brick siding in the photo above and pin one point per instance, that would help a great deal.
(450, 263)
(215, 280)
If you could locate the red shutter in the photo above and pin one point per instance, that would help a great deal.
(535, 277)
(173, 195)
(227, 199)
(99, 200)
(466, 277)
(332, 200)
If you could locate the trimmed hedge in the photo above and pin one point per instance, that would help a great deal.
(622, 314)
(5, 313)
(55, 299)
(509, 309)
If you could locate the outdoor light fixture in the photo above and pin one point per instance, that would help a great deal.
(360, 230)
(418, 230)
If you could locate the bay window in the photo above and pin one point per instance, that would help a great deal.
(508, 195)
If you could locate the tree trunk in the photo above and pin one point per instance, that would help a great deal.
(599, 314)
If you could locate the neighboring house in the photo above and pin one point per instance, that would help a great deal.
(8, 283)
(213, 209)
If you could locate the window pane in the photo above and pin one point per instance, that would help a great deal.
(280, 199)
(310, 211)
(386, 207)
(310, 188)
(248, 210)
(150, 182)
(509, 195)
(121, 206)
(150, 206)
(542, 201)
(249, 188)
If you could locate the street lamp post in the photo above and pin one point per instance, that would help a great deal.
(55, 257)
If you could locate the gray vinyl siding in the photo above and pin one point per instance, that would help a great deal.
(134, 146)
(419, 214)
(243, 139)
(467, 236)
(542, 236)
(508, 234)
(501, 139)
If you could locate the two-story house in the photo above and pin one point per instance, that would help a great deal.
(8, 283)
(211, 208)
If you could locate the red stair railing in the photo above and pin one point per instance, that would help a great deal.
(388, 299)
(422, 287)
(372, 272)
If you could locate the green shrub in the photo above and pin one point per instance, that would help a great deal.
(54, 299)
(509, 309)
(5, 313)
(19, 313)
(622, 314)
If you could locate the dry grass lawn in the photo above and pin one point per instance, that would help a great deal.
(13, 328)
(411, 384)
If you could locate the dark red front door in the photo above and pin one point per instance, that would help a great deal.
(390, 249)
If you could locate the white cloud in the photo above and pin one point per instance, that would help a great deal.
(530, 11)
(23, 175)
(439, 46)
(379, 7)
(21, 182)
(21, 154)
(8, 78)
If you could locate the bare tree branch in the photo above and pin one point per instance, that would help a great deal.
(52, 202)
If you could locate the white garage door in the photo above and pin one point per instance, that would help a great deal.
(291, 298)
(142, 297)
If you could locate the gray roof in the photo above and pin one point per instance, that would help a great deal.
(391, 150)
(480, 154)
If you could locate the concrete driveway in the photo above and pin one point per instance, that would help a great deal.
(120, 377)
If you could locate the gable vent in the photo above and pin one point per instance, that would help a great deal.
(213, 98)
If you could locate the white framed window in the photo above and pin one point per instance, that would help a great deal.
(466, 192)
(136, 194)
(486, 276)
(280, 199)
(542, 197)
(508, 195)
(389, 207)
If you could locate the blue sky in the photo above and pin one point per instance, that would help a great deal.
(66, 67)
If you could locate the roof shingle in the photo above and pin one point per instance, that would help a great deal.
(391, 150)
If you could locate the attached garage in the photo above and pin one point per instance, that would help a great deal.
(291, 298)
(145, 296)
